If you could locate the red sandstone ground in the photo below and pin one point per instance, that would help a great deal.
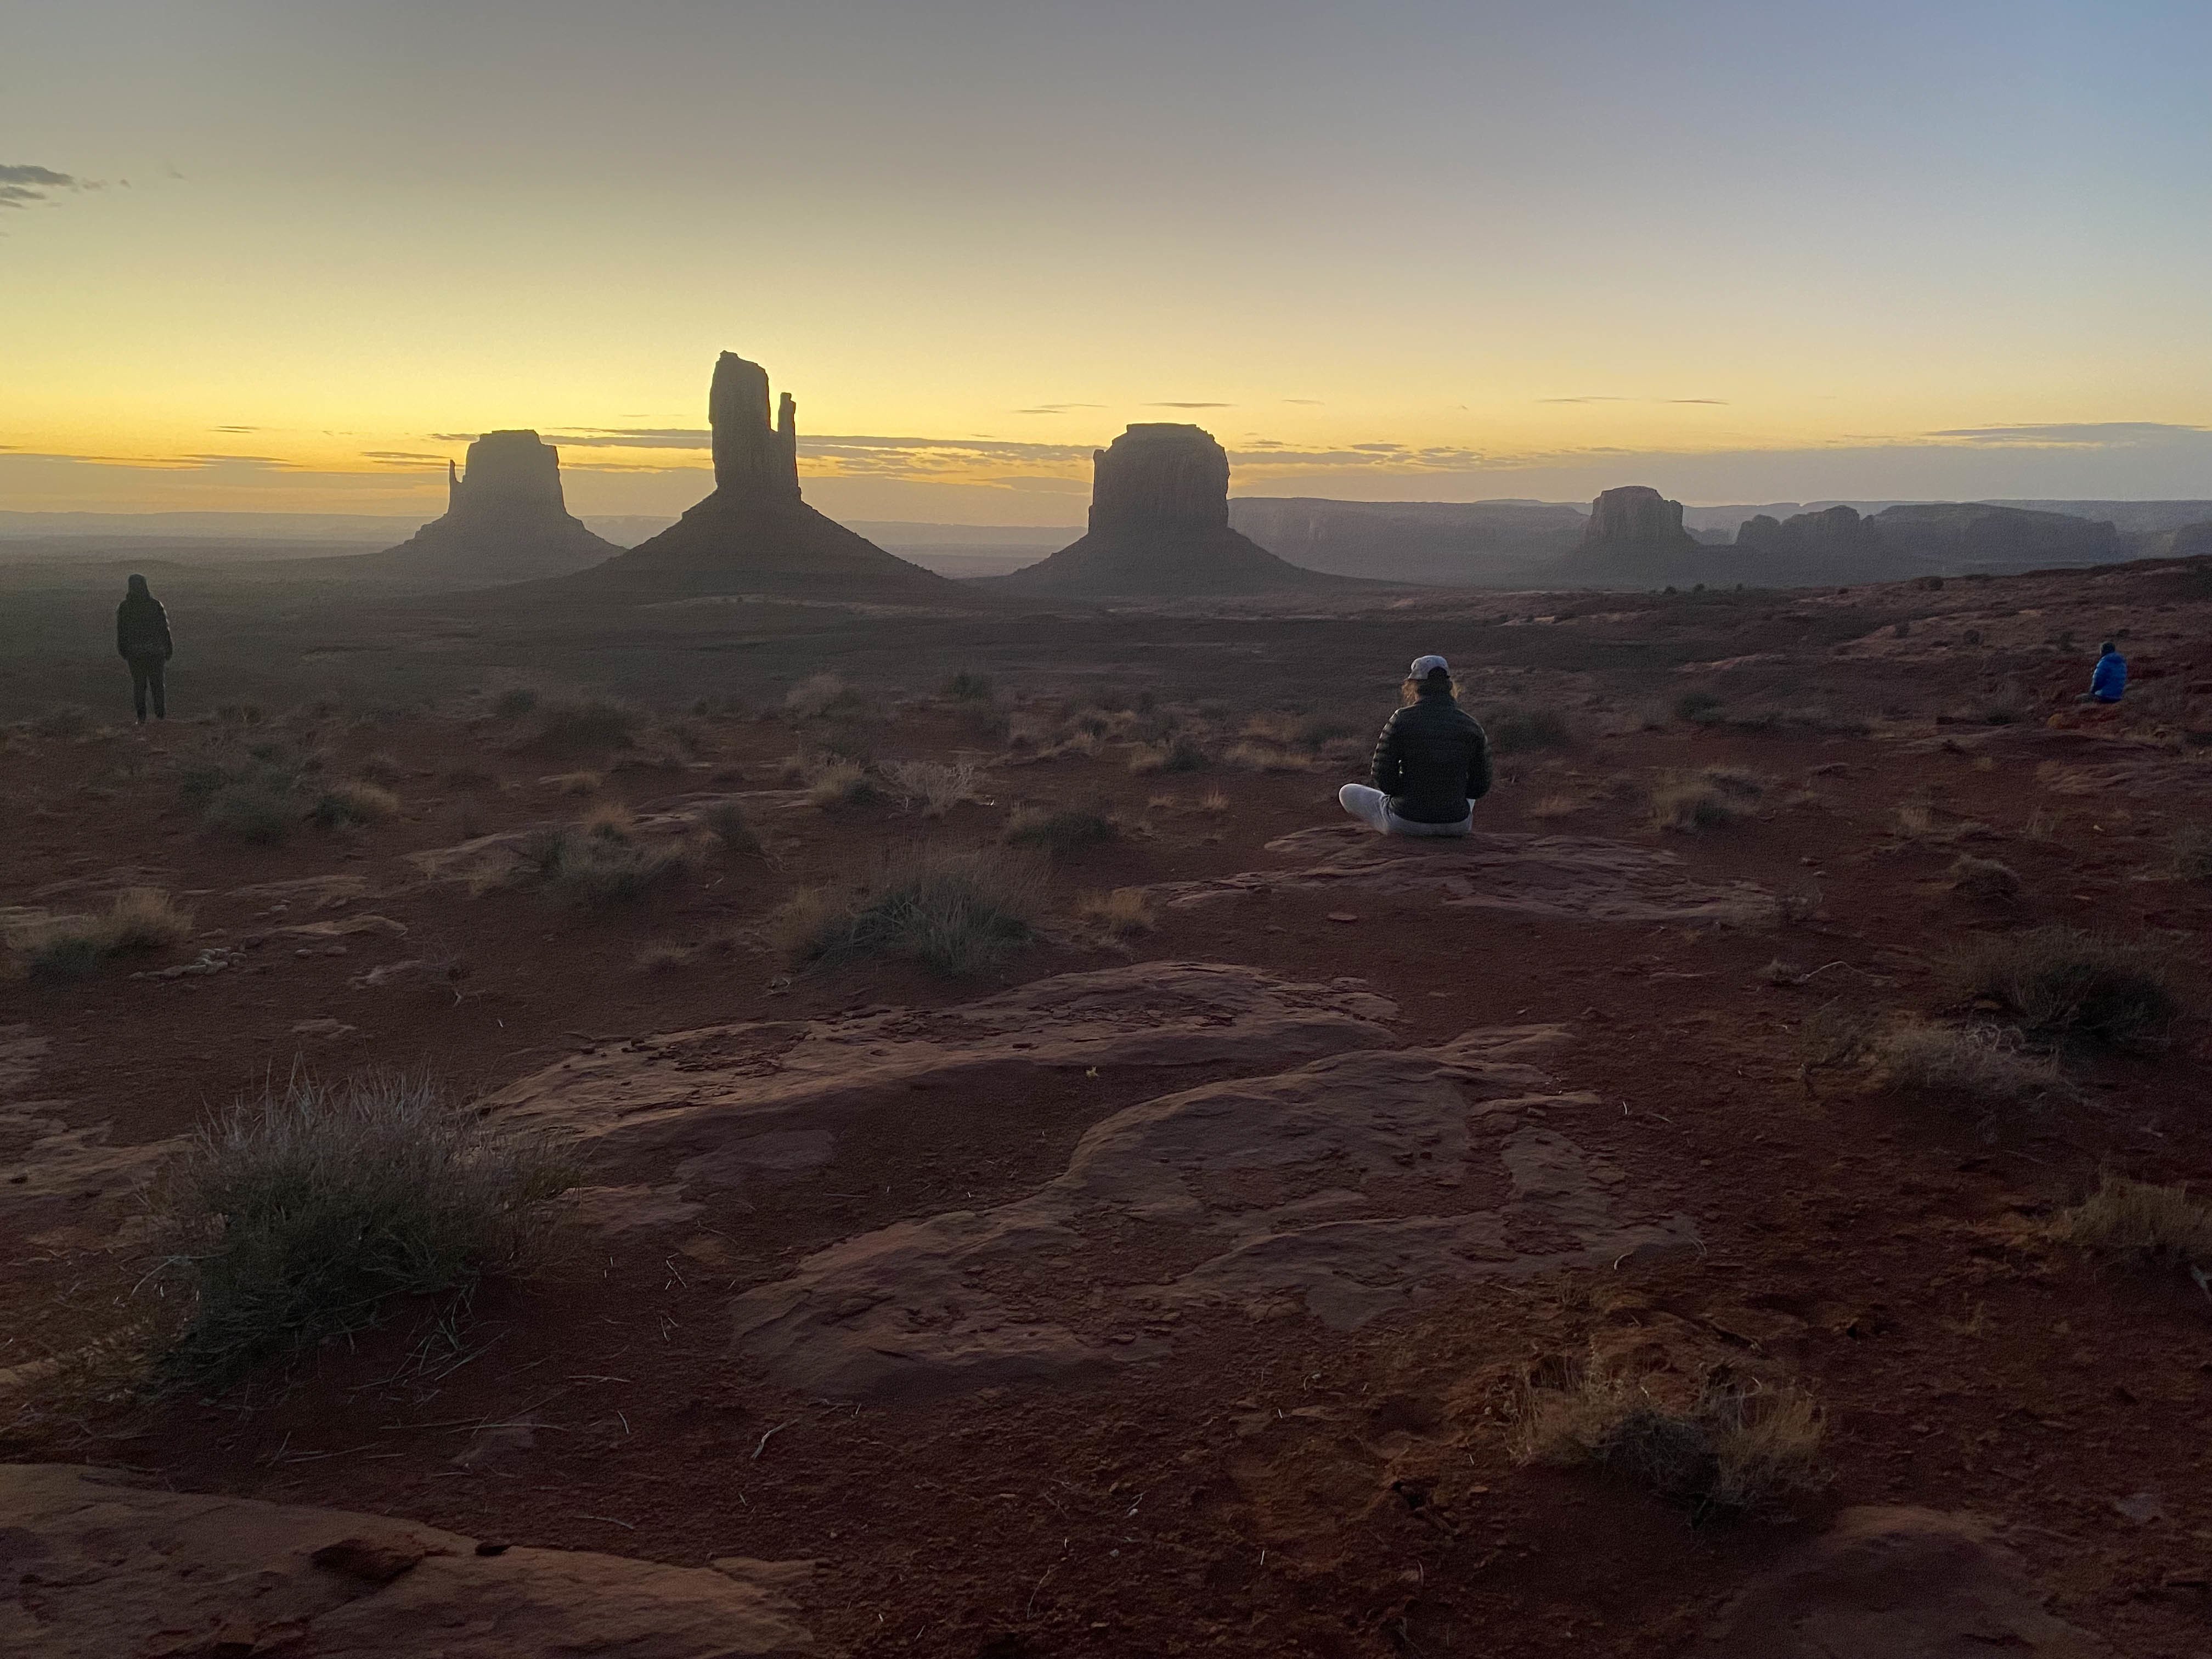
(1262, 1485)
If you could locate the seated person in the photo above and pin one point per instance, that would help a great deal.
(1431, 762)
(2108, 681)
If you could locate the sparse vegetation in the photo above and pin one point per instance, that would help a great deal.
(596, 862)
(1061, 833)
(820, 695)
(1557, 806)
(953, 911)
(727, 820)
(1513, 730)
(1699, 708)
(1308, 731)
(936, 787)
(1213, 801)
(296, 1216)
(1691, 801)
(592, 724)
(2124, 1217)
(381, 768)
(259, 809)
(137, 920)
(2063, 982)
(341, 805)
(1265, 757)
(1124, 911)
(1976, 1062)
(1179, 753)
(968, 686)
(1736, 1448)
(841, 783)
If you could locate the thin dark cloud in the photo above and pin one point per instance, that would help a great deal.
(1056, 409)
(400, 455)
(233, 430)
(615, 437)
(1593, 397)
(1314, 402)
(1190, 405)
(22, 185)
(1720, 401)
(2077, 434)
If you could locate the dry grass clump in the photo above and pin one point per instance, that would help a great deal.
(1124, 911)
(1309, 732)
(1264, 757)
(954, 911)
(1061, 834)
(351, 803)
(2063, 982)
(936, 787)
(1691, 801)
(1213, 801)
(1515, 730)
(1983, 878)
(2138, 1219)
(138, 920)
(594, 723)
(1735, 1449)
(1179, 753)
(730, 826)
(258, 810)
(968, 686)
(294, 1218)
(841, 783)
(574, 783)
(596, 863)
(1974, 1061)
(1557, 806)
(381, 768)
(820, 695)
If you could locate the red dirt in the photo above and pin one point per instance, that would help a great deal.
(1270, 1486)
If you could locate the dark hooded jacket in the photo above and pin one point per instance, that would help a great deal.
(141, 627)
(1431, 759)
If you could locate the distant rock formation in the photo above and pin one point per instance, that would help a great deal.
(754, 534)
(1159, 527)
(1635, 536)
(1833, 532)
(505, 520)
(2191, 541)
(1447, 544)
(1963, 536)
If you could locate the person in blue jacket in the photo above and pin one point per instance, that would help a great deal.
(2108, 681)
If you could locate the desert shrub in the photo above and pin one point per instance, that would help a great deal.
(1124, 911)
(1983, 878)
(1974, 1061)
(381, 768)
(591, 724)
(2063, 982)
(513, 703)
(1179, 753)
(936, 787)
(985, 723)
(610, 820)
(1213, 801)
(576, 783)
(295, 1217)
(344, 803)
(1513, 730)
(842, 784)
(1834, 1035)
(954, 911)
(821, 694)
(1557, 806)
(968, 686)
(259, 809)
(1061, 834)
(1736, 1448)
(2128, 1217)
(2192, 852)
(1699, 708)
(1265, 757)
(67, 952)
(591, 865)
(1297, 731)
(1691, 801)
(727, 820)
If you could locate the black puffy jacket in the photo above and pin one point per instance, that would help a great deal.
(141, 627)
(1431, 759)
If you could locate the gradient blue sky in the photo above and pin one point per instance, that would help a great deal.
(1742, 252)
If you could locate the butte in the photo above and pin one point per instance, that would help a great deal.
(505, 520)
(1160, 528)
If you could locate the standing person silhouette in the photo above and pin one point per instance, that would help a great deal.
(142, 639)
(1431, 763)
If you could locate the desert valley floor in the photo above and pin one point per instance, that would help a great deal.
(1172, 1284)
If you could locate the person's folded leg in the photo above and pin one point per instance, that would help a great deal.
(1371, 807)
(1397, 826)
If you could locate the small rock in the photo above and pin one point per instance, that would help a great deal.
(1342, 915)
(373, 1560)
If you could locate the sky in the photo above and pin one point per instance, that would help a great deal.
(292, 255)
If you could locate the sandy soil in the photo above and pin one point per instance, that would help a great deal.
(1237, 1465)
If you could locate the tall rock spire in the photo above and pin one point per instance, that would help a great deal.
(751, 459)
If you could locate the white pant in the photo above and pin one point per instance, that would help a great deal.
(1372, 808)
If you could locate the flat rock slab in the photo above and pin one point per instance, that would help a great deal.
(1571, 876)
(1897, 1584)
(1341, 1190)
(768, 1098)
(92, 1566)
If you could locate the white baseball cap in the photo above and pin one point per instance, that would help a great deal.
(1425, 667)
